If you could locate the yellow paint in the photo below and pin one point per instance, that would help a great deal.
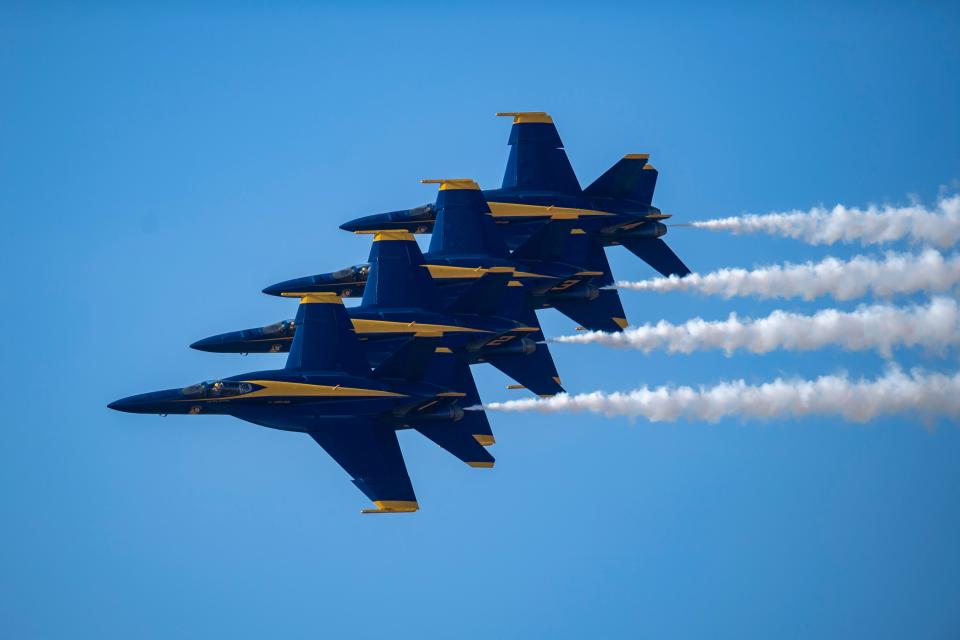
(525, 330)
(649, 167)
(620, 322)
(485, 439)
(659, 216)
(578, 232)
(636, 156)
(405, 236)
(481, 465)
(273, 388)
(523, 117)
(451, 394)
(514, 283)
(393, 506)
(443, 350)
(307, 297)
(386, 326)
(512, 387)
(450, 184)
(443, 272)
(589, 273)
(514, 210)
(557, 380)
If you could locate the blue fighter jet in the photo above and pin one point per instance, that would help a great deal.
(559, 265)
(539, 183)
(488, 320)
(329, 391)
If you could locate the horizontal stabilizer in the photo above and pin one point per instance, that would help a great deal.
(483, 296)
(449, 371)
(603, 313)
(456, 437)
(631, 178)
(535, 371)
(658, 255)
(410, 361)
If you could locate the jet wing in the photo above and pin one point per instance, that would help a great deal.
(370, 453)
(458, 439)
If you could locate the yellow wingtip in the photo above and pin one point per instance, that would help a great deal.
(393, 506)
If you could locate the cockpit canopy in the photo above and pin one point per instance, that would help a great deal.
(280, 329)
(217, 389)
(357, 271)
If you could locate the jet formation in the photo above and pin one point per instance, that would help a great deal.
(401, 358)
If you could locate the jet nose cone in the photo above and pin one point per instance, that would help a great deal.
(127, 405)
(297, 285)
(207, 344)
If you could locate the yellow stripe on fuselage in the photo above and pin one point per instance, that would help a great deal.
(280, 389)
(386, 326)
(443, 272)
(514, 210)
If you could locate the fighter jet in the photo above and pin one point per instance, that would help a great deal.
(328, 391)
(487, 321)
(539, 184)
(558, 265)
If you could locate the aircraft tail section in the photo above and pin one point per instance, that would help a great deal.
(631, 178)
(463, 224)
(325, 339)
(537, 160)
(397, 277)
(600, 312)
(409, 362)
(449, 371)
(658, 255)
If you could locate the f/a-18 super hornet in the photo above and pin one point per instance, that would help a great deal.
(558, 265)
(539, 184)
(488, 319)
(329, 391)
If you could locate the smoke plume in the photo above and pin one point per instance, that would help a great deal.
(897, 273)
(918, 393)
(934, 326)
(938, 226)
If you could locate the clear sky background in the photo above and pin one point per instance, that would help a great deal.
(159, 166)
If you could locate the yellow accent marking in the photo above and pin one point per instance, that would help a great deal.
(443, 350)
(393, 506)
(387, 326)
(557, 379)
(307, 297)
(578, 232)
(620, 322)
(523, 117)
(511, 387)
(394, 235)
(637, 156)
(524, 330)
(428, 334)
(298, 389)
(451, 394)
(449, 184)
(485, 439)
(649, 166)
(514, 210)
(481, 465)
(659, 216)
(442, 271)
(514, 283)
(589, 273)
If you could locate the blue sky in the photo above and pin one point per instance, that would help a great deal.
(160, 166)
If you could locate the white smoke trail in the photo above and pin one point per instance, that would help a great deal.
(897, 273)
(934, 326)
(923, 395)
(938, 226)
